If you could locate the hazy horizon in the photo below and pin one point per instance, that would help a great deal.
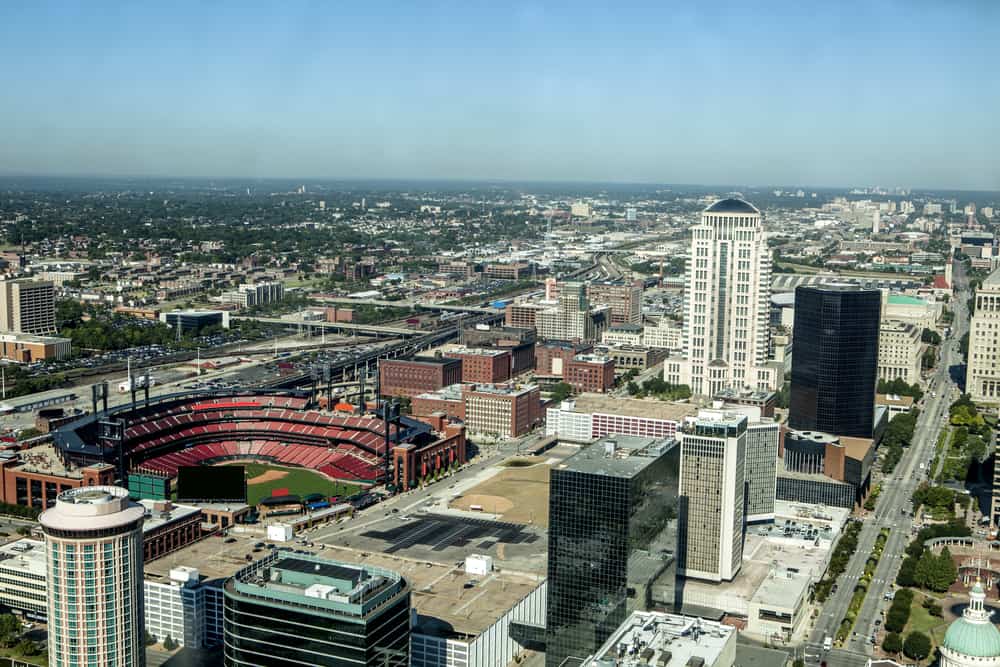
(856, 94)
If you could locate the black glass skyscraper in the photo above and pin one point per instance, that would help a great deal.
(835, 359)
(612, 541)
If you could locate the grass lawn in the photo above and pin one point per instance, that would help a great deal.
(298, 481)
(922, 621)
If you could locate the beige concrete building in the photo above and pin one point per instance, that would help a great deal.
(572, 318)
(982, 375)
(623, 298)
(899, 349)
(728, 300)
(666, 334)
(27, 306)
(713, 457)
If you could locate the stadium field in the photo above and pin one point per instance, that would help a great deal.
(262, 479)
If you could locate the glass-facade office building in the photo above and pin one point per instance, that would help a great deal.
(613, 512)
(294, 610)
(835, 362)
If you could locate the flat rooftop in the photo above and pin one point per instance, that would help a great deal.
(788, 541)
(156, 518)
(617, 456)
(452, 392)
(24, 556)
(43, 459)
(782, 587)
(906, 300)
(730, 394)
(503, 389)
(439, 595)
(591, 358)
(667, 640)
(857, 448)
(634, 407)
(16, 337)
(426, 360)
(314, 580)
(447, 537)
(473, 351)
(812, 477)
(214, 556)
(894, 400)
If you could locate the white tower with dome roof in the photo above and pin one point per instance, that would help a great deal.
(973, 640)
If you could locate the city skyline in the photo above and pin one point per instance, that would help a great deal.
(710, 95)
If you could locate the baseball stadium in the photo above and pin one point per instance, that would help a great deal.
(282, 437)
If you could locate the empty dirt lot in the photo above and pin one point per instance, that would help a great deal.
(518, 494)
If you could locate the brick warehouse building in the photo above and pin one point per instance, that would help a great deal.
(504, 410)
(520, 342)
(417, 375)
(482, 364)
(552, 357)
(590, 372)
(448, 401)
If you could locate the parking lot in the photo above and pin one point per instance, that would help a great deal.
(446, 538)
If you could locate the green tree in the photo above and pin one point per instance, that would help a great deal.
(917, 646)
(26, 647)
(10, 629)
(892, 643)
(929, 359)
(169, 643)
(561, 391)
(907, 571)
(927, 567)
(945, 572)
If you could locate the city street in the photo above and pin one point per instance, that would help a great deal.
(897, 489)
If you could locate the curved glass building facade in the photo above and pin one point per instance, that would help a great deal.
(294, 610)
(94, 578)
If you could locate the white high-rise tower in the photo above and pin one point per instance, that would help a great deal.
(727, 304)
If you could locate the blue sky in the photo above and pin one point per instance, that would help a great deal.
(821, 93)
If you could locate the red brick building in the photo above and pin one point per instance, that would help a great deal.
(590, 372)
(521, 315)
(33, 477)
(520, 343)
(412, 464)
(409, 377)
(552, 357)
(482, 364)
(168, 527)
(448, 401)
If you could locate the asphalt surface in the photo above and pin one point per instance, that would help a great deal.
(897, 490)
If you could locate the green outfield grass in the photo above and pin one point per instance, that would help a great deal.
(298, 481)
